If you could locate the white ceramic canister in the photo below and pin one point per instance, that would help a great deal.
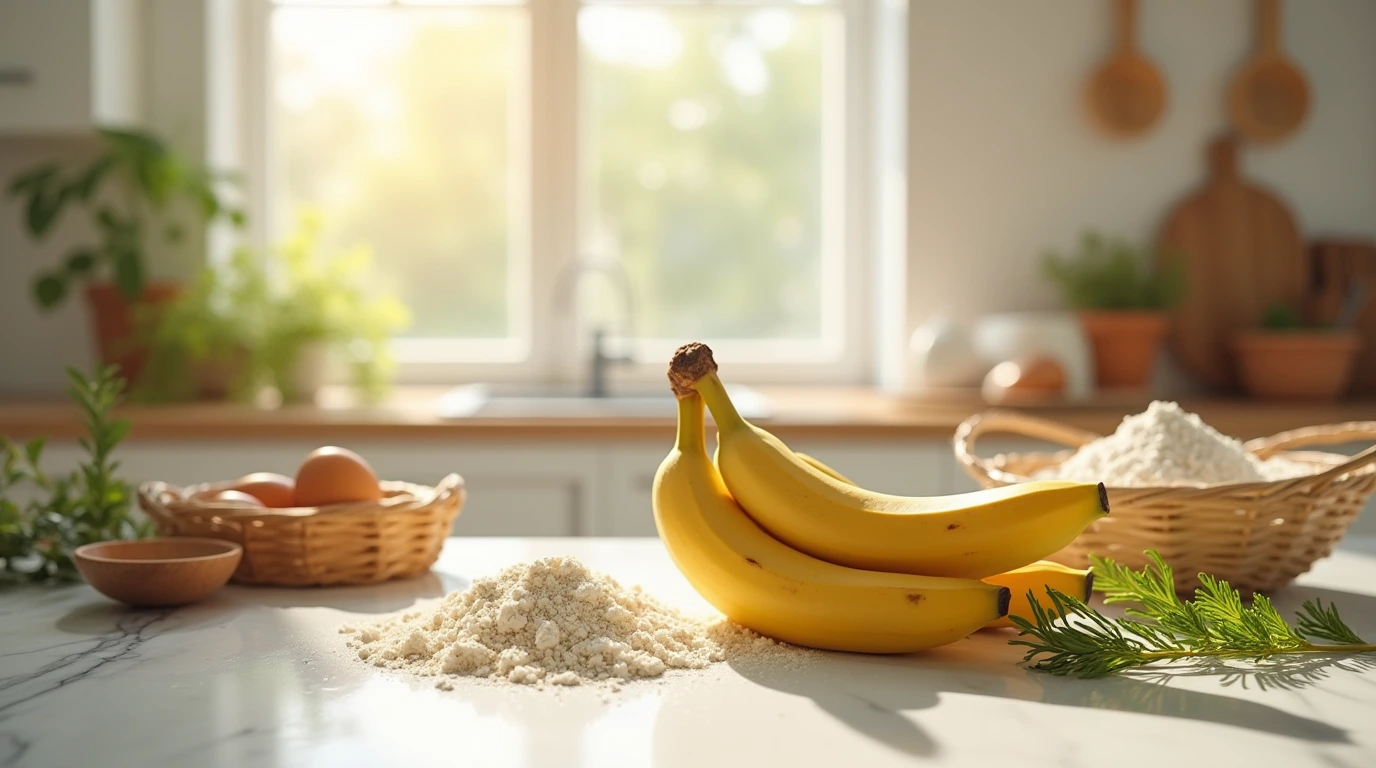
(942, 355)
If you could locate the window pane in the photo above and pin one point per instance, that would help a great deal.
(704, 163)
(396, 125)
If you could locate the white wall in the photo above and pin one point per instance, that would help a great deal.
(1003, 161)
(34, 347)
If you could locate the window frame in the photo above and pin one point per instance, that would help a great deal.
(556, 350)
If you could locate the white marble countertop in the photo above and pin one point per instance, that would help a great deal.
(260, 677)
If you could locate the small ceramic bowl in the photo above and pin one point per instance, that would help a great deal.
(158, 572)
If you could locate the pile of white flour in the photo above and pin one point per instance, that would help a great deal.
(1166, 445)
(551, 621)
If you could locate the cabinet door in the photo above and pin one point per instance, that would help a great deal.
(903, 468)
(69, 65)
(631, 475)
(45, 64)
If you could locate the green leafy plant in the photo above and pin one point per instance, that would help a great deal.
(256, 313)
(322, 299)
(1073, 639)
(1283, 318)
(207, 333)
(38, 536)
(1111, 274)
(133, 190)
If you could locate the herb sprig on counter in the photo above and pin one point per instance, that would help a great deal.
(60, 513)
(1073, 639)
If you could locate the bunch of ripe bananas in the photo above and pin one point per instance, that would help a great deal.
(784, 545)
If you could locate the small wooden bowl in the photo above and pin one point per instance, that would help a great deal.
(158, 572)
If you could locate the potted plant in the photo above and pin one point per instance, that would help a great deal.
(200, 343)
(319, 312)
(1288, 358)
(1121, 298)
(137, 192)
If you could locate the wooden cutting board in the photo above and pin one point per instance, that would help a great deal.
(1242, 252)
(1335, 266)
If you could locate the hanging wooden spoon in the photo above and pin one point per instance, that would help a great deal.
(1126, 94)
(1269, 97)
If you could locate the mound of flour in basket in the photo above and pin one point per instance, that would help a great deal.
(1166, 445)
(550, 621)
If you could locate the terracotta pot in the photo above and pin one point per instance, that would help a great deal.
(112, 318)
(1125, 346)
(1300, 365)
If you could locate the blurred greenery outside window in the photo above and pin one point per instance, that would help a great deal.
(707, 155)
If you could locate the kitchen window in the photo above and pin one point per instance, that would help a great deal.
(527, 173)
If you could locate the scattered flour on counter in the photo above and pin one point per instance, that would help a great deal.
(1166, 445)
(551, 622)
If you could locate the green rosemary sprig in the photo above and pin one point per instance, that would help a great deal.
(1071, 638)
(45, 517)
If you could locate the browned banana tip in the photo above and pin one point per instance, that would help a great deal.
(1005, 599)
(1089, 585)
(691, 362)
(1103, 498)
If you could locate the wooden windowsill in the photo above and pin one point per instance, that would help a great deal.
(820, 412)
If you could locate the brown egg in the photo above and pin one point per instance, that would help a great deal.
(236, 497)
(332, 475)
(273, 490)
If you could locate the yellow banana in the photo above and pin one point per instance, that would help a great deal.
(969, 535)
(823, 468)
(1037, 577)
(763, 584)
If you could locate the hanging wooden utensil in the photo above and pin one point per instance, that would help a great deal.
(1242, 253)
(1126, 94)
(1269, 98)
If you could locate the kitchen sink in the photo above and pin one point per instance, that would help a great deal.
(503, 401)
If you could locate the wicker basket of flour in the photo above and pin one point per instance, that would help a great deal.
(1257, 514)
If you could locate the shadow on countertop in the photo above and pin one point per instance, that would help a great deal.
(101, 616)
(387, 597)
(870, 693)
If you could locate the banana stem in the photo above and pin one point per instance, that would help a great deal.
(691, 426)
(723, 410)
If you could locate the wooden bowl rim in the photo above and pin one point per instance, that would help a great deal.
(227, 549)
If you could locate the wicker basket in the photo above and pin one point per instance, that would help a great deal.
(1258, 536)
(356, 543)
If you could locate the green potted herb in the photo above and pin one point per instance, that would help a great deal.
(137, 192)
(1121, 295)
(321, 311)
(1289, 358)
(200, 344)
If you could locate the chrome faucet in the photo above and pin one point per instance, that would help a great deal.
(599, 360)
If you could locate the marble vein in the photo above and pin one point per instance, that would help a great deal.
(132, 630)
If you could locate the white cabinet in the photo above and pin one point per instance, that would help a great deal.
(572, 488)
(631, 471)
(69, 65)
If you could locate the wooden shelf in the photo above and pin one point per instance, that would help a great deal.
(801, 412)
